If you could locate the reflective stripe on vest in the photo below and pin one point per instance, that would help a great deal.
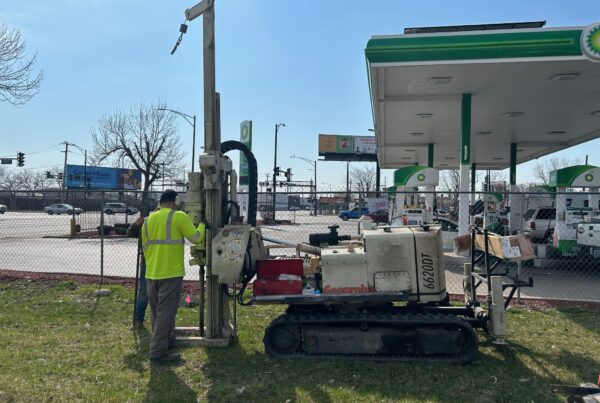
(197, 235)
(167, 240)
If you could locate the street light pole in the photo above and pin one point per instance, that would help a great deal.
(275, 170)
(192, 121)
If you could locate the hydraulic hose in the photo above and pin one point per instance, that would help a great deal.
(231, 145)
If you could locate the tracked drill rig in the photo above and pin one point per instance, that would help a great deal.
(379, 294)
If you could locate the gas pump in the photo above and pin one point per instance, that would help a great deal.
(491, 208)
(414, 177)
(569, 217)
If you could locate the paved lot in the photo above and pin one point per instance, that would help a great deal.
(23, 247)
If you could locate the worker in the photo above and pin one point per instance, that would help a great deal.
(163, 234)
(142, 297)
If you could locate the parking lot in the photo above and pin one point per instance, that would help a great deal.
(34, 241)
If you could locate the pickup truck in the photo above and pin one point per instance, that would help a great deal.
(356, 212)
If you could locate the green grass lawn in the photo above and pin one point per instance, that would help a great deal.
(59, 343)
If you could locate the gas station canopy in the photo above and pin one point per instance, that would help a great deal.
(488, 97)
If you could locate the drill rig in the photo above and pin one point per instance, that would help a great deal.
(377, 295)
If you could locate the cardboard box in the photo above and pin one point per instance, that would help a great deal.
(311, 266)
(516, 248)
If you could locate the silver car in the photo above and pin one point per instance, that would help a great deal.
(3, 209)
(119, 208)
(61, 208)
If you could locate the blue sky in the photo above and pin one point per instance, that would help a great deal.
(301, 63)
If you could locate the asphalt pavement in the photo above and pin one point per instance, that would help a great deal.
(28, 242)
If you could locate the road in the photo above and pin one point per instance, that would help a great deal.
(24, 246)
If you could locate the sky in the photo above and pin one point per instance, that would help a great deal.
(300, 63)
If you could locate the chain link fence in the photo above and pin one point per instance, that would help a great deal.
(60, 232)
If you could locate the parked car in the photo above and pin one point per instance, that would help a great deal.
(539, 223)
(60, 208)
(449, 232)
(119, 208)
(440, 213)
(356, 212)
(379, 216)
(3, 209)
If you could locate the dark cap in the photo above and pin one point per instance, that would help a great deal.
(168, 196)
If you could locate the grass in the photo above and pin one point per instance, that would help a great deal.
(59, 343)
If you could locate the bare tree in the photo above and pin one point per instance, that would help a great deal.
(542, 169)
(363, 180)
(144, 137)
(24, 180)
(450, 182)
(18, 83)
(9, 181)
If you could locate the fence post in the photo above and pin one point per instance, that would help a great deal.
(101, 239)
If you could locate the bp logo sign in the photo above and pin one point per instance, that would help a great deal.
(590, 42)
(589, 177)
(421, 177)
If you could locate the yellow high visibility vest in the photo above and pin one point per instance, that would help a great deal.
(163, 239)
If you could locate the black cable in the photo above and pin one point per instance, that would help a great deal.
(248, 275)
(231, 145)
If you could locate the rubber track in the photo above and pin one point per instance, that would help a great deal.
(391, 319)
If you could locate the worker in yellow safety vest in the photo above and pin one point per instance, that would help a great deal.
(163, 238)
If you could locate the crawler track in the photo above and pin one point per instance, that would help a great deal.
(372, 336)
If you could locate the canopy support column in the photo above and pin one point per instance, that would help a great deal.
(465, 162)
(516, 200)
(430, 206)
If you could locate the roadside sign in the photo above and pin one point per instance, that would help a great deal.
(335, 147)
(245, 138)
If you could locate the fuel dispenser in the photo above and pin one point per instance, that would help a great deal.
(414, 177)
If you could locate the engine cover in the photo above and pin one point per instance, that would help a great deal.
(412, 250)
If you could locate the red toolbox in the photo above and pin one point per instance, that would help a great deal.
(276, 287)
(272, 268)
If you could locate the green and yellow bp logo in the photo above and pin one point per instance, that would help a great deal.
(590, 42)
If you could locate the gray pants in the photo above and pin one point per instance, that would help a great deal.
(163, 296)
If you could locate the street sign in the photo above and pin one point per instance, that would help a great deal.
(6, 161)
(245, 138)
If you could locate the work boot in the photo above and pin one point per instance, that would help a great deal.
(137, 324)
(167, 358)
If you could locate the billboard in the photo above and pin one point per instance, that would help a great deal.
(102, 178)
(365, 145)
(245, 138)
(337, 147)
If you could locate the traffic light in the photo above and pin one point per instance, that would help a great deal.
(60, 176)
(48, 175)
(20, 159)
(485, 187)
(288, 174)
(277, 171)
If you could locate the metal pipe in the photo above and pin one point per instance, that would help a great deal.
(194, 144)
(299, 246)
(201, 301)
(101, 239)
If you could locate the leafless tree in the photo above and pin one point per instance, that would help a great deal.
(450, 182)
(542, 169)
(23, 180)
(363, 181)
(144, 138)
(18, 82)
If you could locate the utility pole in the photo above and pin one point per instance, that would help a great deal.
(275, 170)
(315, 201)
(348, 185)
(64, 184)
